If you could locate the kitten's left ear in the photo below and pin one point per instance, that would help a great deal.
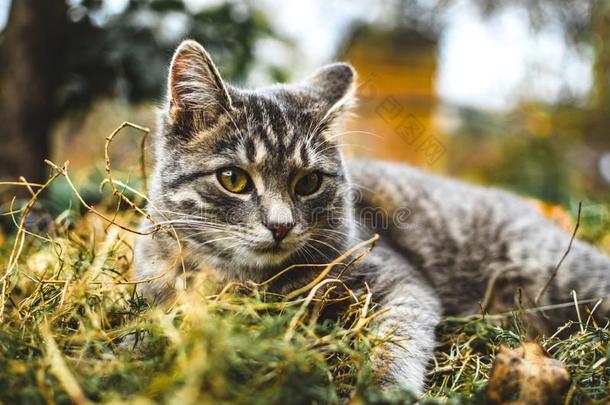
(334, 84)
(195, 84)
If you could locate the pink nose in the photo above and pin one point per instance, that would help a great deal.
(279, 231)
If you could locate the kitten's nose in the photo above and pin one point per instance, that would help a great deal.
(279, 230)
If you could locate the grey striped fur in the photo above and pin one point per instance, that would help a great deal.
(446, 248)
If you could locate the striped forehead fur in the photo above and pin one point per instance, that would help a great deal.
(259, 125)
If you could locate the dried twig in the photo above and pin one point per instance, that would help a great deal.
(556, 269)
(330, 266)
(111, 182)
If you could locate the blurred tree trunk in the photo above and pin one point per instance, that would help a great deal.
(596, 129)
(31, 64)
(601, 47)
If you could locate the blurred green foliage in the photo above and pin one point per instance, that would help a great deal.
(126, 54)
(546, 152)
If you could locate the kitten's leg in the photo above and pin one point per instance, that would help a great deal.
(540, 259)
(526, 267)
(585, 270)
(412, 311)
(411, 317)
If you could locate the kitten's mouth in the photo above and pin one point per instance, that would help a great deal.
(272, 248)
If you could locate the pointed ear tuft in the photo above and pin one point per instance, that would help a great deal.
(194, 82)
(334, 84)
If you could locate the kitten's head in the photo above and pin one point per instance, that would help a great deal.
(253, 178)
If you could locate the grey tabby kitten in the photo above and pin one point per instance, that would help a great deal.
(254, 181)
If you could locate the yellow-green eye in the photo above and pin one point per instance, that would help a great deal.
(308, 184)
(234, 179)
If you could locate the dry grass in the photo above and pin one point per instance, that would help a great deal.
(74, 328)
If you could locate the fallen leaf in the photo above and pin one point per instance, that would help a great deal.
(527, 375)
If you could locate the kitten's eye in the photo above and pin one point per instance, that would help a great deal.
(234, 179)
(308, 184)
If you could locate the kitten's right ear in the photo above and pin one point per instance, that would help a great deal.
(194, 84)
